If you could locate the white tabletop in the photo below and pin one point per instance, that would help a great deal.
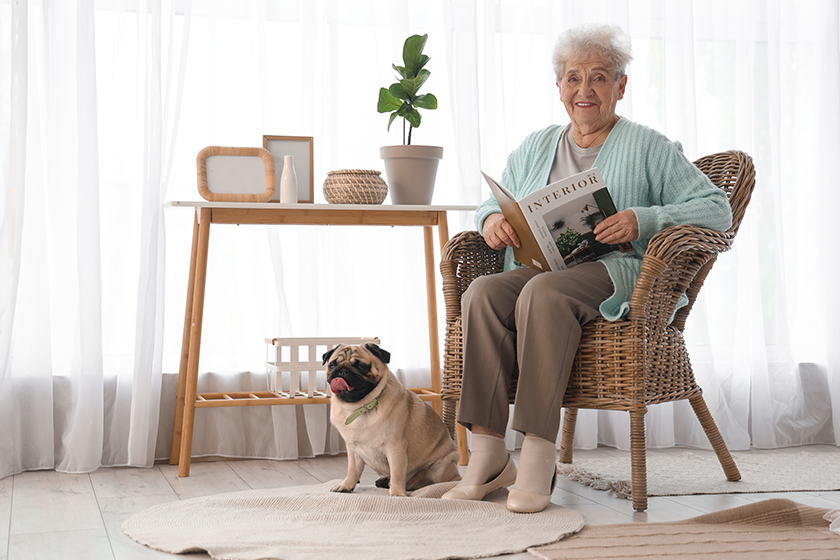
(308, 206)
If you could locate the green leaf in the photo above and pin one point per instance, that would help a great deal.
(391, 120)
(412, 85)
(421, 62)
(398, 91)
(387, 102)
(402, 71)
(426, 101)
(413, 53)
(413, 118)
(405, 109)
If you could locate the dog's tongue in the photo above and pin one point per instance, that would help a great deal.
(338, 385)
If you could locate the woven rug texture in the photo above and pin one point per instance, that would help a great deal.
(689, 473)
(778, 529)
(312, 523)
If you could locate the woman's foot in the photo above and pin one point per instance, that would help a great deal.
(491, 468)
(537, 476)
(478, 491)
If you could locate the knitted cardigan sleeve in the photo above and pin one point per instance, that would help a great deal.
(650, 175)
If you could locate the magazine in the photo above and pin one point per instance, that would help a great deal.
(555, 223)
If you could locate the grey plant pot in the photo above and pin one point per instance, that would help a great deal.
(411, 172)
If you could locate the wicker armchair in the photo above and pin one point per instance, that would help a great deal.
(627, 364)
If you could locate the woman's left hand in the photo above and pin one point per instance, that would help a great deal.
(618, 228)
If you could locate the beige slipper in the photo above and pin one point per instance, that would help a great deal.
(478, 491)
(522, 501)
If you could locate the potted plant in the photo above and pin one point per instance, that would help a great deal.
(411, 169)
(567, 241)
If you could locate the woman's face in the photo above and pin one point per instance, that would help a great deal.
(590, 90)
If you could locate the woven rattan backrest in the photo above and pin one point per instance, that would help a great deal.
(732, 171)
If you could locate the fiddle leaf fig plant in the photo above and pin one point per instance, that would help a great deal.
(401, 98)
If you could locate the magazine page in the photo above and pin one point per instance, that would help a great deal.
(563, 214)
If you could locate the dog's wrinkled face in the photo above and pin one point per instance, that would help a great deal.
(353, 371)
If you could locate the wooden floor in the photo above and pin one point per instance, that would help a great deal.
(47, 515)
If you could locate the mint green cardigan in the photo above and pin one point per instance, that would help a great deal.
(644, 172)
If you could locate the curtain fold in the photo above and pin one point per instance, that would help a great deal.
(13, 143)
(165, 76)
(105, 106)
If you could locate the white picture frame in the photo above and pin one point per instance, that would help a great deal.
(301, 148)
(228, 174)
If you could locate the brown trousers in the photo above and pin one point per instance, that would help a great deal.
(536, 316)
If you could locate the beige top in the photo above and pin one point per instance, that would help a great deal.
(571, 158)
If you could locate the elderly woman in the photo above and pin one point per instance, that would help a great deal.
(537, 316)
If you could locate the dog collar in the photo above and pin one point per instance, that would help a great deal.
(367, 408)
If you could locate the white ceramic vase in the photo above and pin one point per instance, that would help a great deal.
(288, 181)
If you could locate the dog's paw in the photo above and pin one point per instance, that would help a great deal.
(342, 488)
(384, 482)
(397, 492)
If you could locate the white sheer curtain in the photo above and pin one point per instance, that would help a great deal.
(106, 104)
(92, 116)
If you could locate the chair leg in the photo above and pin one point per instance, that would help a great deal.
(698, 403)
(638, 462)
(568, 437)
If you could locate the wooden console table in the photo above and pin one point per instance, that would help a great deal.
(208, 213)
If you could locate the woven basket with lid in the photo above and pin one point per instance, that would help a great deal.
(355, 186)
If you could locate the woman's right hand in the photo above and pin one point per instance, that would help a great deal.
(498, 233)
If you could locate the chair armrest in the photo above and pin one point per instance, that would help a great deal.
(669, 243)
(464, 258)
(677, 261)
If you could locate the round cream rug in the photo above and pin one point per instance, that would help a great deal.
(312, 523)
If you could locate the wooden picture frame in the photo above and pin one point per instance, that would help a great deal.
(301, 147)
(235, 174)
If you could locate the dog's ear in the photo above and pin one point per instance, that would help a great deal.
(383, 355)
(327, 355)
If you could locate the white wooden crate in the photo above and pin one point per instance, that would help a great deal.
(288, 360)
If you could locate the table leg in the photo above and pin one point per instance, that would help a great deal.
(431, 301)
(185, 352)
(443, 230)
(191, 386)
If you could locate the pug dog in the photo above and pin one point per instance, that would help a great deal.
(384, 425)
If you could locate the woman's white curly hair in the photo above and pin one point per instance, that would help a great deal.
(609, 42)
